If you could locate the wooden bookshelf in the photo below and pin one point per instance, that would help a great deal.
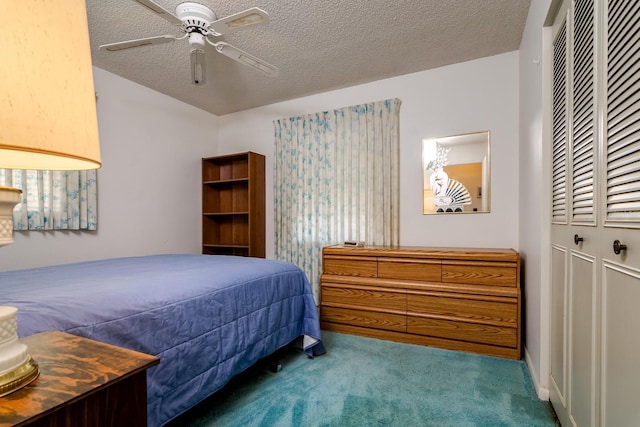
(233, 205)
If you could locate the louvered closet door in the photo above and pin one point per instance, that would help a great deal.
(559, 229)
(584, 255)
(559, 250)
(595, 290)
(620, 316)
(574, 263)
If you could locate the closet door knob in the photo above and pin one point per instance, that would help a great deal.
(577, 239)
(618, 247)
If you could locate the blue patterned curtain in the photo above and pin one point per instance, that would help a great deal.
(54, 200)
(336, 178)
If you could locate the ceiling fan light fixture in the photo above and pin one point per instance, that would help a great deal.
(196, 40)
(198, 68)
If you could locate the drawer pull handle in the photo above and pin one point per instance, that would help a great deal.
(618, 247)
(577, 239)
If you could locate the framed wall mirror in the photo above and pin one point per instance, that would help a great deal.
(456, 174)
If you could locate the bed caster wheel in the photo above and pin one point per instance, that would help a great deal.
(275, 366)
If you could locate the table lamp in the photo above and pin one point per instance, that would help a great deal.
(47, 121)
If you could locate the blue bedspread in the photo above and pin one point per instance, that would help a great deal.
(207, 317)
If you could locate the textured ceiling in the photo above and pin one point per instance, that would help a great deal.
(319, 45)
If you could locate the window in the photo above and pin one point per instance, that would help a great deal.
(336, 179)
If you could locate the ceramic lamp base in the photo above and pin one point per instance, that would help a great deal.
(17, 368)
(19, 377)
(9, 197)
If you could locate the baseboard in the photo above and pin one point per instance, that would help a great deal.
(542, 392)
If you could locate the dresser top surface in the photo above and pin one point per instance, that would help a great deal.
(489, 254)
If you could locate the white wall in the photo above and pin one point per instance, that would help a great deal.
(534, 205)
(149, 198)
(466, 97)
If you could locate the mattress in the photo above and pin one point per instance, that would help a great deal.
(207, 317)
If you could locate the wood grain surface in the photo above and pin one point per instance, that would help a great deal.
(455, 298)
(82, 382)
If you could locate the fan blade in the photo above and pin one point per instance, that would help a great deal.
(162, 12)
(246, 59)
(198, 69)
(112, 47)
(240, 20)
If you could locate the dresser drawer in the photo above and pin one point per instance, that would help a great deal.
(350, 265)
(365, 318)
(409, 269)
(363, 296)
(463, 331)
(496, 309)
(480, 273)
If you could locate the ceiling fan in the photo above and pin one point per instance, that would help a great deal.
(197, 24)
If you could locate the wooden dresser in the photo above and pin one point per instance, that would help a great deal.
(453, 298)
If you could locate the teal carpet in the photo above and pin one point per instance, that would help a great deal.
(369, 382)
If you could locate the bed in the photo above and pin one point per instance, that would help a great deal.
(207, 317)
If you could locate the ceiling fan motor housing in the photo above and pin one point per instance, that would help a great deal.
(196, 17)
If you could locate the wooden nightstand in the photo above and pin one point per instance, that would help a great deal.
(82, 383)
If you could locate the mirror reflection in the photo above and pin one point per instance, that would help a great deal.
(456, 174)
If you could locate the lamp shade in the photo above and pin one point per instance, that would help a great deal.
(47, 98)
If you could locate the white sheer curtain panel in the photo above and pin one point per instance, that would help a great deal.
(54, 200)
(336, 178)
